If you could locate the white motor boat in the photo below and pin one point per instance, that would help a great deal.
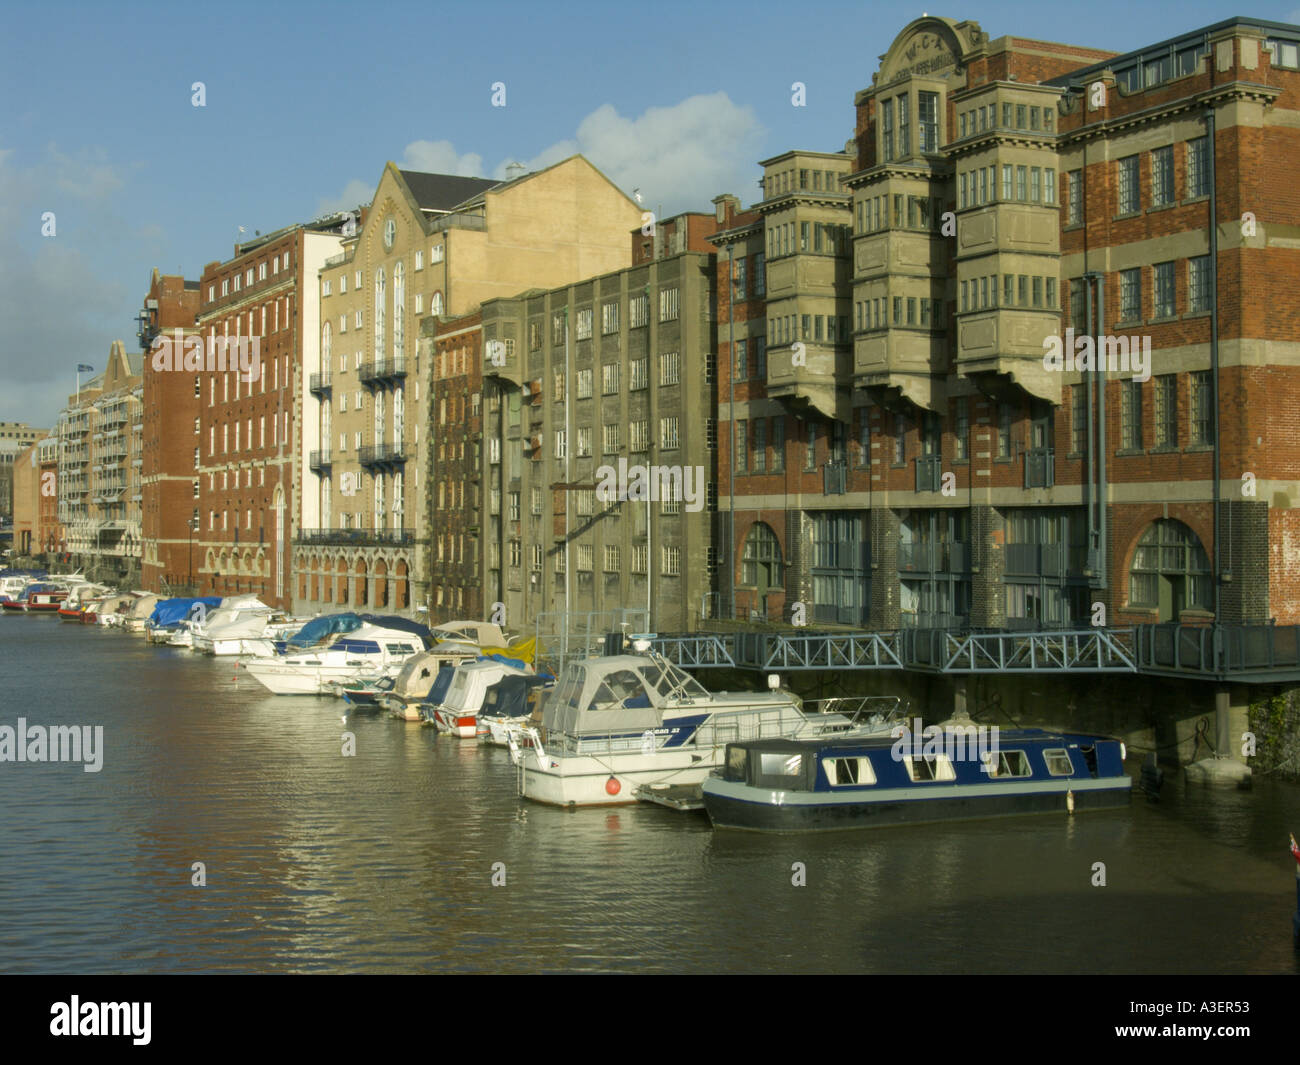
(138, 616)
(511, 707)
(346, 653)
(457, 712)
(233, 627)
(620, 722)
(414, 684)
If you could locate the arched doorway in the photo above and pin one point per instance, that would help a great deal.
(760, 567)
(341, 580)
(1170, 571)
(362, 596)
(402, 590)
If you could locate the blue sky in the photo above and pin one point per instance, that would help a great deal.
(306, 102)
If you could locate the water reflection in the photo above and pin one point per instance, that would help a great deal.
(384, 861)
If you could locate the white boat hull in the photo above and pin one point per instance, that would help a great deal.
(281, 679)
(582, 780)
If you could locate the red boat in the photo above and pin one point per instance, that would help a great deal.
(38, 599)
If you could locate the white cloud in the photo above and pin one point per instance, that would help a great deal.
(680, 156)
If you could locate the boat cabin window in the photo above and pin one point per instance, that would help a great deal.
(618, 689)
(935, 767)
(736, 762)
(841, 771)
(1007, 764)
(400, 648)
(1058, 762)
(569, 691)
(781, 768)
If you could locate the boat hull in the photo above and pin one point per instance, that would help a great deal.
(297, 680)
(736, 805)
(582, 780)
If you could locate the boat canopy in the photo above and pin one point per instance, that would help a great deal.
(479, 633)
(617, 693)
(322, 628)
(143, 606)
(509, 696)
(170, 612)
(236, 618)
(420, 671)
(472, 681)
(392, 621)
(505, 660)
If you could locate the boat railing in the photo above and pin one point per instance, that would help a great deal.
(880, 711)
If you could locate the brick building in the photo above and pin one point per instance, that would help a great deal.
(15, 437)
(250, 437)
(36, 502)
(169, 507)
(905, 450)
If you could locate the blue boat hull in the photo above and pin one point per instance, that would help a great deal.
(814, 814)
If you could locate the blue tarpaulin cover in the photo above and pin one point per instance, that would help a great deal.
(319, 628)
(390, 621)
(503, 660)
(170, 612)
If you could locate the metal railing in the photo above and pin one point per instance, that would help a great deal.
(1040, 467)
(318, 460)
(382, 454)
(355, 536)
(382, 370)
(835, 477)
(318, 383)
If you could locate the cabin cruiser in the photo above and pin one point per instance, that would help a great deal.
(13, 582)
(231, 628)
(780, 785)
(511, 706)
(138, 616)
(336, 647)
(619, 722)
(79, 599)
(171, 616)
(414, 684)
(457, 711)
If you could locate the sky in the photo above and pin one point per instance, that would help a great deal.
(305, 103)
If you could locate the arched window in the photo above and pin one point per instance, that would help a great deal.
(326, 346)
(761, 561)
(379, 501)
(399, 415)
(1170, 571)
(435, 303)
(379, 314)
(379, 419)
(399, 310)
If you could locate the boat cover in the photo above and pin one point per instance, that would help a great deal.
(505, 660)
(319, 628)
(508, 697)
(170, 612)
(617, 693)
(391, 621)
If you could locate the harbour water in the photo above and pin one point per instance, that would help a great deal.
(385, 861)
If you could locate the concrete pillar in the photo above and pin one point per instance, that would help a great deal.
(1228, 769)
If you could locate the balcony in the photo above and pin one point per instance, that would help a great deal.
(1046, 560)
(929, 472)
(360, 537)
(1040, 467)
(319, 384)
(835, 477)
(382, 372)
(318, 460)
(946, 556)
(383, 455)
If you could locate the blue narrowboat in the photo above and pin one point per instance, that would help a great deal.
(780, 785)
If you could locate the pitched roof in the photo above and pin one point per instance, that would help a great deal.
(442, 192)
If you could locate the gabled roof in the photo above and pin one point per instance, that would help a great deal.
(442, 192)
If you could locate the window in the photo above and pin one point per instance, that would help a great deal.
(1170, 570)
(611, 437)
(1058, 762)
(760, 445)
(672, 562)
(668, 438)
(559, 328)
(927, 114)
(1074, 197)
(900, 439)
(583, 331)
(1079, 418)
(886, 131)
(904, 126)
(1164, 290)
(1005, 417)
(841, 771)
(1130, 415)
(561, 443)
(668, 368)
(584, 441)
(1035, 184)
(742, 445)
(1007, 764)
(640, 558)
(1162, 176)
(609, 379)
(668, 305)
(761, 559)
(1198, 166)
(760, 279)
(612, 559)
(1022, 183)
(1166, 410)
(584, 383)
(1130, 294)
(608, 318)
(638, 311)
(1198, 284)
(962, 427)
(640, 374)
(934, 768)
(640, 436)
(1202, 408)
(1129, 202)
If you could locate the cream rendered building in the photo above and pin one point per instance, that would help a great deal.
(429, 245)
